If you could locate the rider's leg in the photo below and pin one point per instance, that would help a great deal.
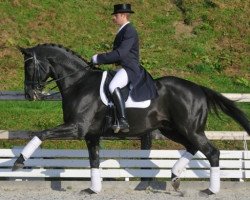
(120, 80)
(122, 124)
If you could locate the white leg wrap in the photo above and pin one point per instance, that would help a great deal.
(31, 147)
(214, 179)
(96, 184)
(180, 165)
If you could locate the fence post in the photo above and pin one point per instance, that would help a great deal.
(146, 141)
(146, 144)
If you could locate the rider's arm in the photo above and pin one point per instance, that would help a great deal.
(119, 53)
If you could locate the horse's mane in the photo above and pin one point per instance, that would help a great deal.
(63, 48)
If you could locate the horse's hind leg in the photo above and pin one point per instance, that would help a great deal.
(61, 132)
(194, 142)
(201, 142)
(94, 159)
(183, 161)
(179, 167)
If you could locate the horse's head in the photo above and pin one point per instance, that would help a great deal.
(37, 71)
(64, 66)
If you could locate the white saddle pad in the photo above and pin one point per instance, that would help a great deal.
(130, 103)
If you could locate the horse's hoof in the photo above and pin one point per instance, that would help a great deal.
(176, 183)
(206, 192)
(17, 166)
(18, 163)
(88, 191)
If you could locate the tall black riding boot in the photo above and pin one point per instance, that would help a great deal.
(108, 121)
(122, 124)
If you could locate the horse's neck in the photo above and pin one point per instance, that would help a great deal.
(67, 76)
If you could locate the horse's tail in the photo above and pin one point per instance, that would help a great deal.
(217, 101)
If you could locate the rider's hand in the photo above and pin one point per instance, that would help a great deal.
(94, 59)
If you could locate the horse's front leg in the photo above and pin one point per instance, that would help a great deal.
(64, 131)
(93, 148)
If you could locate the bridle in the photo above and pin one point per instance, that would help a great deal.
(38, 84)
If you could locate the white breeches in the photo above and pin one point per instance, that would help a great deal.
(120, 80)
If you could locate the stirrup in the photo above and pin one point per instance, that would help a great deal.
(117, 128)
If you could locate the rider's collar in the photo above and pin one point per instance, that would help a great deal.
(122, 27)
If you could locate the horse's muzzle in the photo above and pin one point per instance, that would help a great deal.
(32, 94)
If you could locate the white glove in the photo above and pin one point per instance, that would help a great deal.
(94, 59)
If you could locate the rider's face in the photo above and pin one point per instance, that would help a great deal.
(120, 18)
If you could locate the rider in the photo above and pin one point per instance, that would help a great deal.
(126, 54)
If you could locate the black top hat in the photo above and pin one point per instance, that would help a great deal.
(122, 8)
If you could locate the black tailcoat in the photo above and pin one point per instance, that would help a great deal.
(126, 53)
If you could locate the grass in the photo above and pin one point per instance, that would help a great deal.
(18, 115)
(203, 41)
(208, 38)
(25, 115)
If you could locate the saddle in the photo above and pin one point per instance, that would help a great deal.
(106, 97)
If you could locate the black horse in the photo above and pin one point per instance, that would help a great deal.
(180, 112)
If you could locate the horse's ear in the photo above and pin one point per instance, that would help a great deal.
(23, 50)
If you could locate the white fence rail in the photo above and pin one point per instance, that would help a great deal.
(237, 97)
(123, 164)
